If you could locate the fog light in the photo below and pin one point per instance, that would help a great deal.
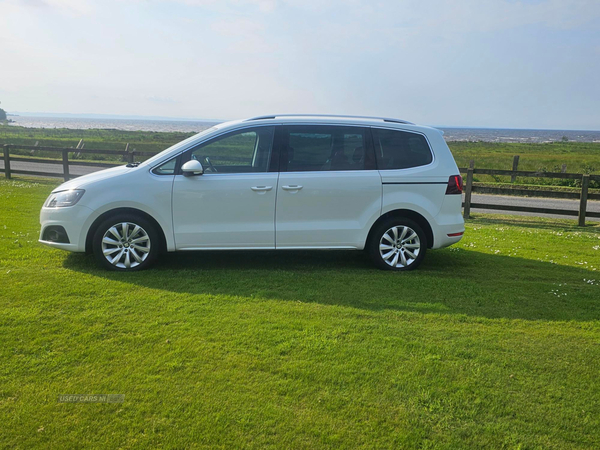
(55, 233)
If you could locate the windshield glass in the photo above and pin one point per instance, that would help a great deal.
(179, 145)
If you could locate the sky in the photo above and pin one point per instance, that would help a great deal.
(472, 63)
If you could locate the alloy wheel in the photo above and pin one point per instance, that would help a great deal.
(126, 245)
(399, 246)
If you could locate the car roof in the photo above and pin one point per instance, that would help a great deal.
(325, 119)
(328, 117)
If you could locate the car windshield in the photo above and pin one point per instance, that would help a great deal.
(179, 145)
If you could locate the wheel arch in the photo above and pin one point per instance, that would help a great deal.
(102, 217)
(407, 214)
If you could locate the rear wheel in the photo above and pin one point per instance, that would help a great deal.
(397, 244)
(126, 242)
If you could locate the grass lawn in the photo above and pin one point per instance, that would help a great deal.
(148, 141)
(494, 343)
(580, 157)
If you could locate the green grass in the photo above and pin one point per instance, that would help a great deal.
(580, 157)
(493, 343)
(146, 141)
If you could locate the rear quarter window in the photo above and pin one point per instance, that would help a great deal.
(400, 149)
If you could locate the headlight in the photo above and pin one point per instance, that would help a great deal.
(64, 198)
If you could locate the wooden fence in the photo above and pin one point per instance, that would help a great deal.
(583, 195)
(129, 156)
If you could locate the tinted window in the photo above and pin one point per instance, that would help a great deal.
(247, 150)
(400, 149)
(318, 147)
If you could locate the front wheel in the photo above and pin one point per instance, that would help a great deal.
(397, 244)
(126, 242)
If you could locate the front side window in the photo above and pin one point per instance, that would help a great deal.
(243, 151)
(179, 146)
(400, 149)
(167, 168)
(323, 148)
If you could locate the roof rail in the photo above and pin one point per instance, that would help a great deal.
(273, 116)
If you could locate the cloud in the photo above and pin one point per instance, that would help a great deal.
(261, 5)
(70, 7)
(242, 36)
(161, 100)
(237, 27)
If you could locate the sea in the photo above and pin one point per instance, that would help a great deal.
(450, 133)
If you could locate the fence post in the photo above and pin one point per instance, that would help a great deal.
(513, 177)
(468, 188)
(129, 154)
(585, 182)
(6, 161)
(65, 163)
(79, 146)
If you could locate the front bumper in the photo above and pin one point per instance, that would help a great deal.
(72, 219)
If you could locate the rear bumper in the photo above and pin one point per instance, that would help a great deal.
(72, 219)
(441, 238)
(449, 221)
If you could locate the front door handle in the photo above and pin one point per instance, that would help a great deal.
(295, 187)
(261, 188)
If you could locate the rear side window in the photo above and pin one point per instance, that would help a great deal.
(326, 148)
(400, 149)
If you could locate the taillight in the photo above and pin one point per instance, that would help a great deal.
(455, 185)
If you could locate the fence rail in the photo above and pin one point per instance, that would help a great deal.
(129, 155)
(81, 150)
(544, 193)
(529, 173)
(583, 195)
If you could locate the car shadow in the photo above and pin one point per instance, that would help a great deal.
(450, 281)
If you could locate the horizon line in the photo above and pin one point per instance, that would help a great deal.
(187, 119)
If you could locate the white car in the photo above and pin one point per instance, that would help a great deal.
(275, 182)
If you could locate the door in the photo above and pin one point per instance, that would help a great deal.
(329, 190)
(231, 205)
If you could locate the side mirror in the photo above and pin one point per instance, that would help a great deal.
(191, 168)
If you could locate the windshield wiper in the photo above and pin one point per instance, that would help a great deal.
(134, 164)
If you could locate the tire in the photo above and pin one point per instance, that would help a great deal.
(410, 251)
(126, 242)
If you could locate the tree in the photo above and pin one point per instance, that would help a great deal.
(2, 114)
